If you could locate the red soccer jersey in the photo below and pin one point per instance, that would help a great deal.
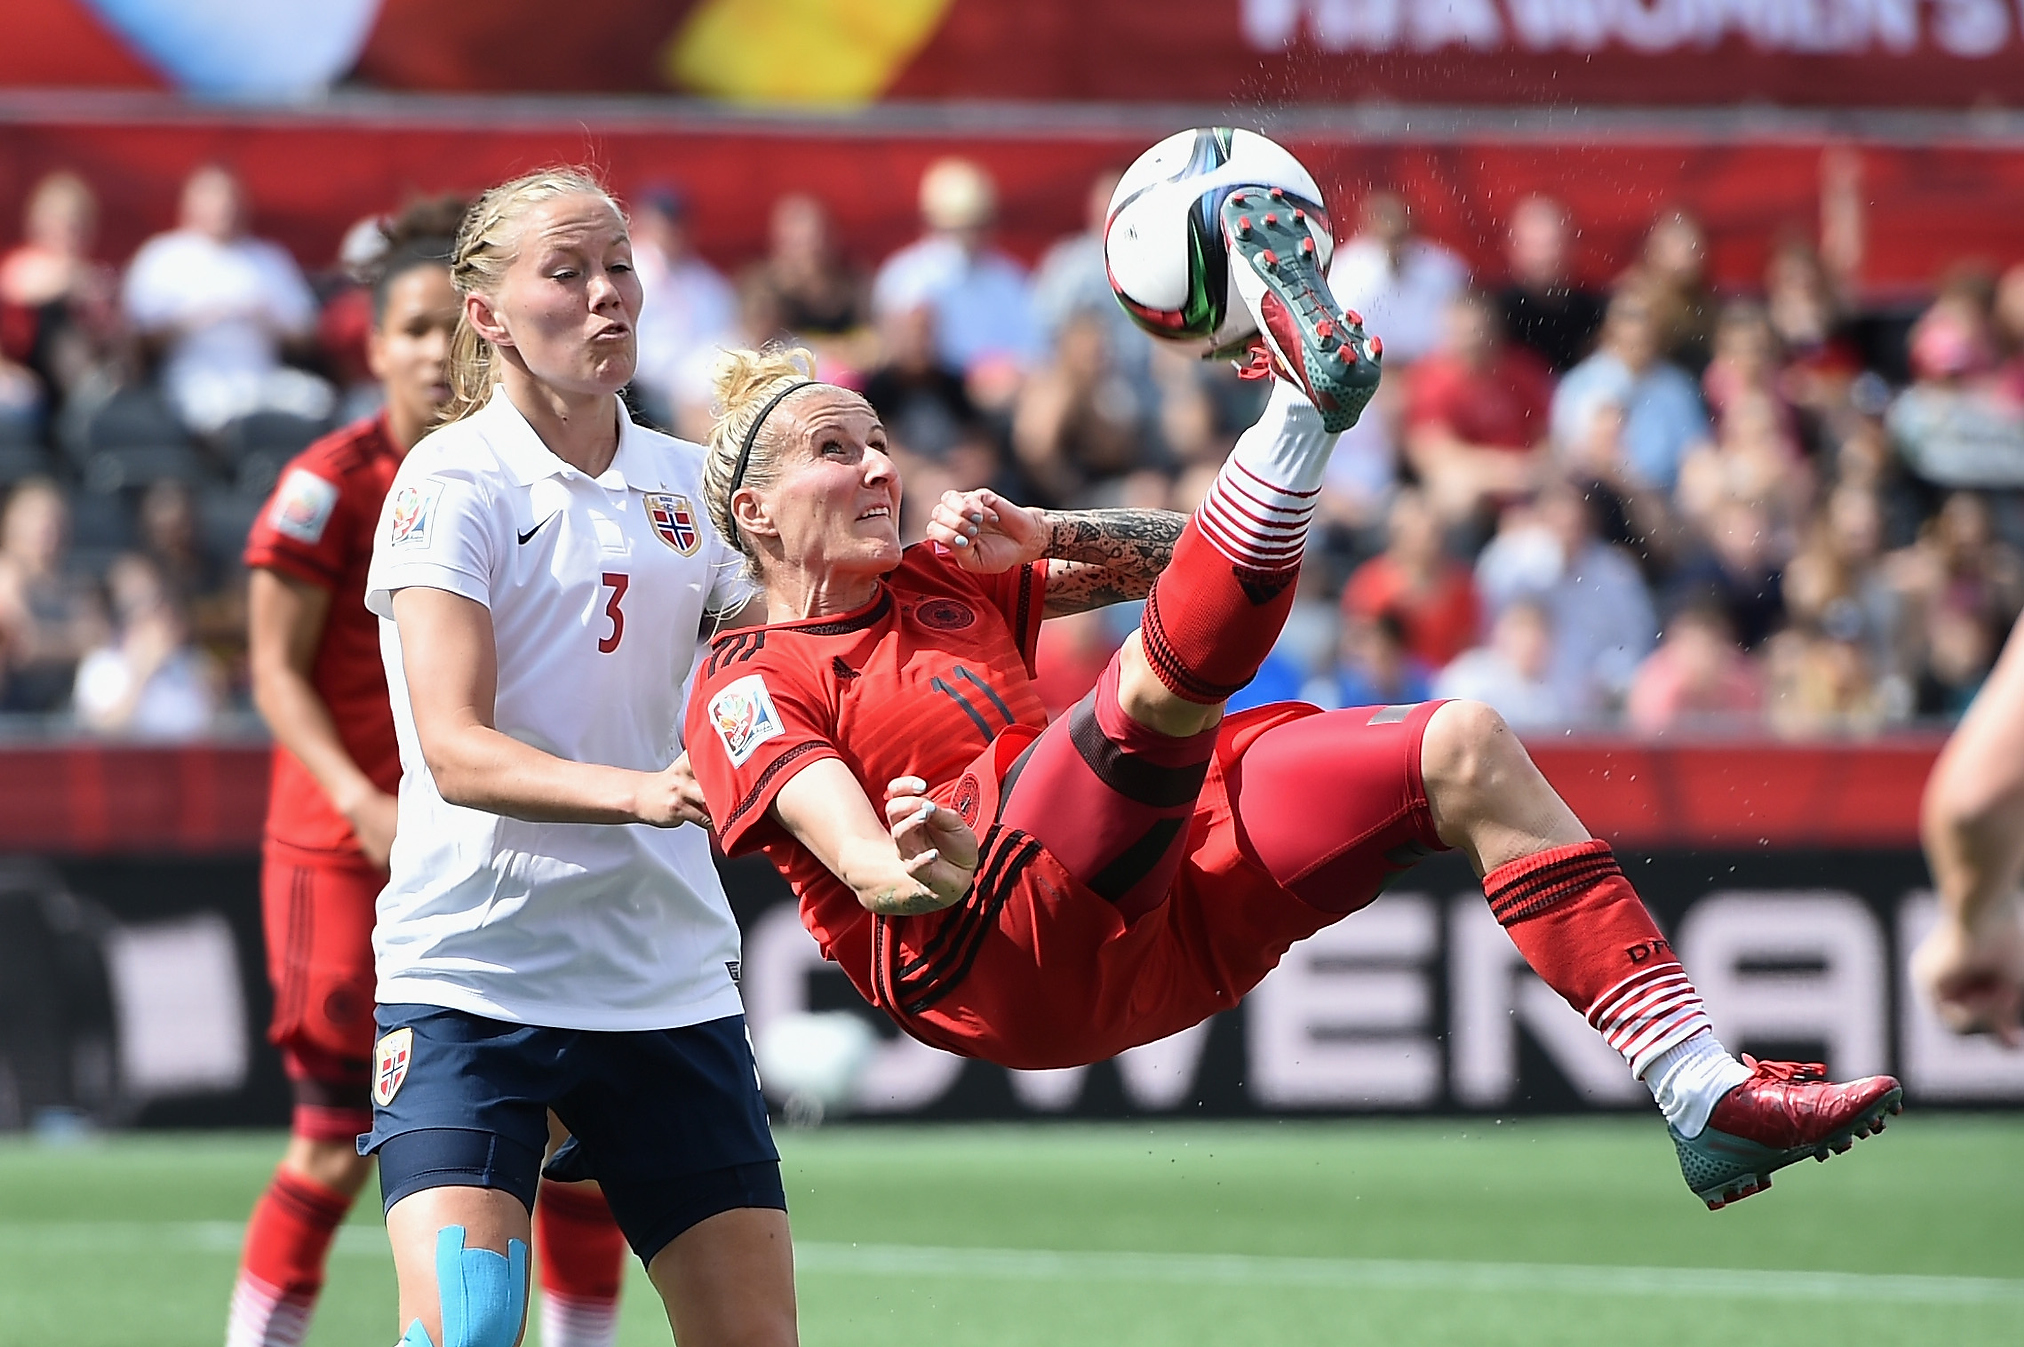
(917, 682)
(318, 528)
(1502, 407)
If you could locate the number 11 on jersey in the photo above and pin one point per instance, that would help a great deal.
(615, 581)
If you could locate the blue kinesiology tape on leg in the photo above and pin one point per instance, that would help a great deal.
(483, 1294)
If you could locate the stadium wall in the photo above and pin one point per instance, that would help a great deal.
(1936, 188)
(132, 985)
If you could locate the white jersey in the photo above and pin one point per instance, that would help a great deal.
(598, 588)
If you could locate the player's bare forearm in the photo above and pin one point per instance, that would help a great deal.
(1101, 557)
(827, 811)
(285, 621)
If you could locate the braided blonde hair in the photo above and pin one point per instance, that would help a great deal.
(744, 382)
(486, 244)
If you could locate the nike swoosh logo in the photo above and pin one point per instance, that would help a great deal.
(528, 536)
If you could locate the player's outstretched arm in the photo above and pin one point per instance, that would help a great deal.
(453, 678)
(1098, 557)
(1972, 821)
(920, 862)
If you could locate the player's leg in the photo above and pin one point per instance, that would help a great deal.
(1972, 821)
(673, 1126)
(318, 922)
(1216, 610)
(459, 1126)
(580, 1257)
(1581, 926)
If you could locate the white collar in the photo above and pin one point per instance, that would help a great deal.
(638, 462)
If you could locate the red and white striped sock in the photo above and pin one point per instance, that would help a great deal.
(1584, 930)
(281, 1268)
(1216, 610)
(581, 1257)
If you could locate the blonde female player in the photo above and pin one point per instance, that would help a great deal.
(550, 936)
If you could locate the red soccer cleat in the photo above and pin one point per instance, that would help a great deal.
(1783, 1113)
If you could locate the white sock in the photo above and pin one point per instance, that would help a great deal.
(1257, 510)
(1688, 1079)
(567, 1322)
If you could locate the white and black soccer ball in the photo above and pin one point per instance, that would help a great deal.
(1163, 241)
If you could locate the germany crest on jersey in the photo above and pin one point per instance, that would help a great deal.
(674, 519)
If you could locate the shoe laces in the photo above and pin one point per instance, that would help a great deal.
(1261, 362)
(1796, 1072)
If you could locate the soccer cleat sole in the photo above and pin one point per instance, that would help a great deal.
(1751, 1173)
(1325, 350)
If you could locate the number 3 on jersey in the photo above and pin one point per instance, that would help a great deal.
(615, 581)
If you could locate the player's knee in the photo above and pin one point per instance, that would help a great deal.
(482, 1294)
(1468, 749)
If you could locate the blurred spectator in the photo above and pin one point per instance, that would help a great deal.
(1400, 283)
(1070, 657)
(983, 305)
(1747, 363)
(206, 589)
(1544, 309)
(1752, 460)
(64, 300)
(1673, 273)
(1414, 582)
(222, 307)
(1477, 413)
(1822, 682)
(1736, 563)
(818, 293)
(1698, 678)
(1079, 423)
(687, 309)
(1629, 512)
(1072, 280)
(1373, 667)
(1965, 587)
(1513, 673)
(1807, 316)
(1662, 412)
(1601, 613)
(149, 681)
(1836, 584)
(48, 616)
(1953, 425)
(934, 431)
(759, 322)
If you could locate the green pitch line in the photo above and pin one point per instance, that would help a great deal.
(1166, 1235)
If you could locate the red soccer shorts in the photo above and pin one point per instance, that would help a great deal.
(1301, 817)
(318, 911)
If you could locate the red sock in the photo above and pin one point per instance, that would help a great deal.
(1583, 928)
(1210, 621)
(581, 1256)
(281, 1270)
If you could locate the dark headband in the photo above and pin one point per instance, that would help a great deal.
(752, 431)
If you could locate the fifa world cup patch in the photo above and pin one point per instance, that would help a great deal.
(414, 511)
(743, 715)
(674, 521)
(390, 1059)
(303, 506)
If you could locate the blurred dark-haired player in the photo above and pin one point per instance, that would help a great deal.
(320, 683)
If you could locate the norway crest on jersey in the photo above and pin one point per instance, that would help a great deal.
(674, 520)
(390, 1058)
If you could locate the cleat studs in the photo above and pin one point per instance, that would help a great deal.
(1269, 258)
(1278, 194)
(1307, 246)
(1300, 217)
(1240, 198)
(1271, 217)
(1354, 317)
(1377, 347)
(1243, 226)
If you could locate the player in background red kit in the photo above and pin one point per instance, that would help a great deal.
(1144, 861)
(319, 681)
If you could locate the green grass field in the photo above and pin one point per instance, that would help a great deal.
(1548, 1232)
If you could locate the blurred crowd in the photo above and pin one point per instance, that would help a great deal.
(1654, 504)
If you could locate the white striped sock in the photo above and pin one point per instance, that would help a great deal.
(263, 1317)
(1648, 1012)
(1690, 1078)
(567, 1321)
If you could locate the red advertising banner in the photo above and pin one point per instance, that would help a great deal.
(1247, 53)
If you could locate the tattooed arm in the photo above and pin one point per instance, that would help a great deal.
(1101, 557)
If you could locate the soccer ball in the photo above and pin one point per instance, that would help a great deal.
(1163, 240)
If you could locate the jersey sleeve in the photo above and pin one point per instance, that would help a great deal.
(437, 531)
(302, 531)
(752, 724)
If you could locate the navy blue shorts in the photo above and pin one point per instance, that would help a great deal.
(669, 1121)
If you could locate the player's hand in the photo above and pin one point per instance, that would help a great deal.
(938, 848)
(670, 797)
(1975, 978)
(987, 533)
(372, 822)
